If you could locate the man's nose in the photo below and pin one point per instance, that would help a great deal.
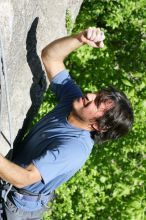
(90, 96)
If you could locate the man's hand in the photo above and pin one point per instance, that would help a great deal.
(92, 36)
(53, 54)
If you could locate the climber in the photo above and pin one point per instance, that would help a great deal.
(60, 143)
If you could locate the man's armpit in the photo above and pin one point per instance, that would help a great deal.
(34, 174)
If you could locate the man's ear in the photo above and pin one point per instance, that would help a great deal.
(96, 127)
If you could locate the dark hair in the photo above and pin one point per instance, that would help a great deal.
(117, 120)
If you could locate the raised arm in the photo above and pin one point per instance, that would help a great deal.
(53, 55)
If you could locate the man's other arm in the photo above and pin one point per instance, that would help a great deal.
(16, 175)
(53, 55)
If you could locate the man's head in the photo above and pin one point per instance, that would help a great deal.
(107, 113)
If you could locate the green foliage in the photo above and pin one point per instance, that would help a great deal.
(69, 22)
(111, 185)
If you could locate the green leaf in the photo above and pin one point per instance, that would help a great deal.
(137, 74)
(127, 82)
(142, 85)
(103, 179)
(144, 104)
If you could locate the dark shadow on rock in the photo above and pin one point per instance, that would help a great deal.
(39, 84)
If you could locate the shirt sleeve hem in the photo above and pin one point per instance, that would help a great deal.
(60, 77)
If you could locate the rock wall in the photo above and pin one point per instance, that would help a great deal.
(16, 18)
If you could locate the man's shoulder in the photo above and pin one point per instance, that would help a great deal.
(64, 87)
(77, 146)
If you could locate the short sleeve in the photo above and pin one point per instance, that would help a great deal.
(59, 162)
(63, 86)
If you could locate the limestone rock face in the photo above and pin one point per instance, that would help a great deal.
(16, 18)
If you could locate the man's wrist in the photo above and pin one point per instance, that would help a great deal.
(79, 37)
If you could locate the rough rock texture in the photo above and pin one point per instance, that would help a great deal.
(16, 18)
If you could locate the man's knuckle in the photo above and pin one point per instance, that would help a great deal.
(98, 29)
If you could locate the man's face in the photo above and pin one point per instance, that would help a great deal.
(86, 110)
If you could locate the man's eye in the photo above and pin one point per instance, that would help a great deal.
(88, 104)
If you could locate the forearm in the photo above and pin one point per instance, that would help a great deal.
(61, 48)
(54, 54)
(13, 173)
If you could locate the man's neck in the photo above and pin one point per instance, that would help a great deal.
(76, 122)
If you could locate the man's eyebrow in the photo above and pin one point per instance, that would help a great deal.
(96, 101)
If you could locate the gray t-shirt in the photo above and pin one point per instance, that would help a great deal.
(54, 146)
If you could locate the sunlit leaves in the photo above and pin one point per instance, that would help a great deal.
(111, 185)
